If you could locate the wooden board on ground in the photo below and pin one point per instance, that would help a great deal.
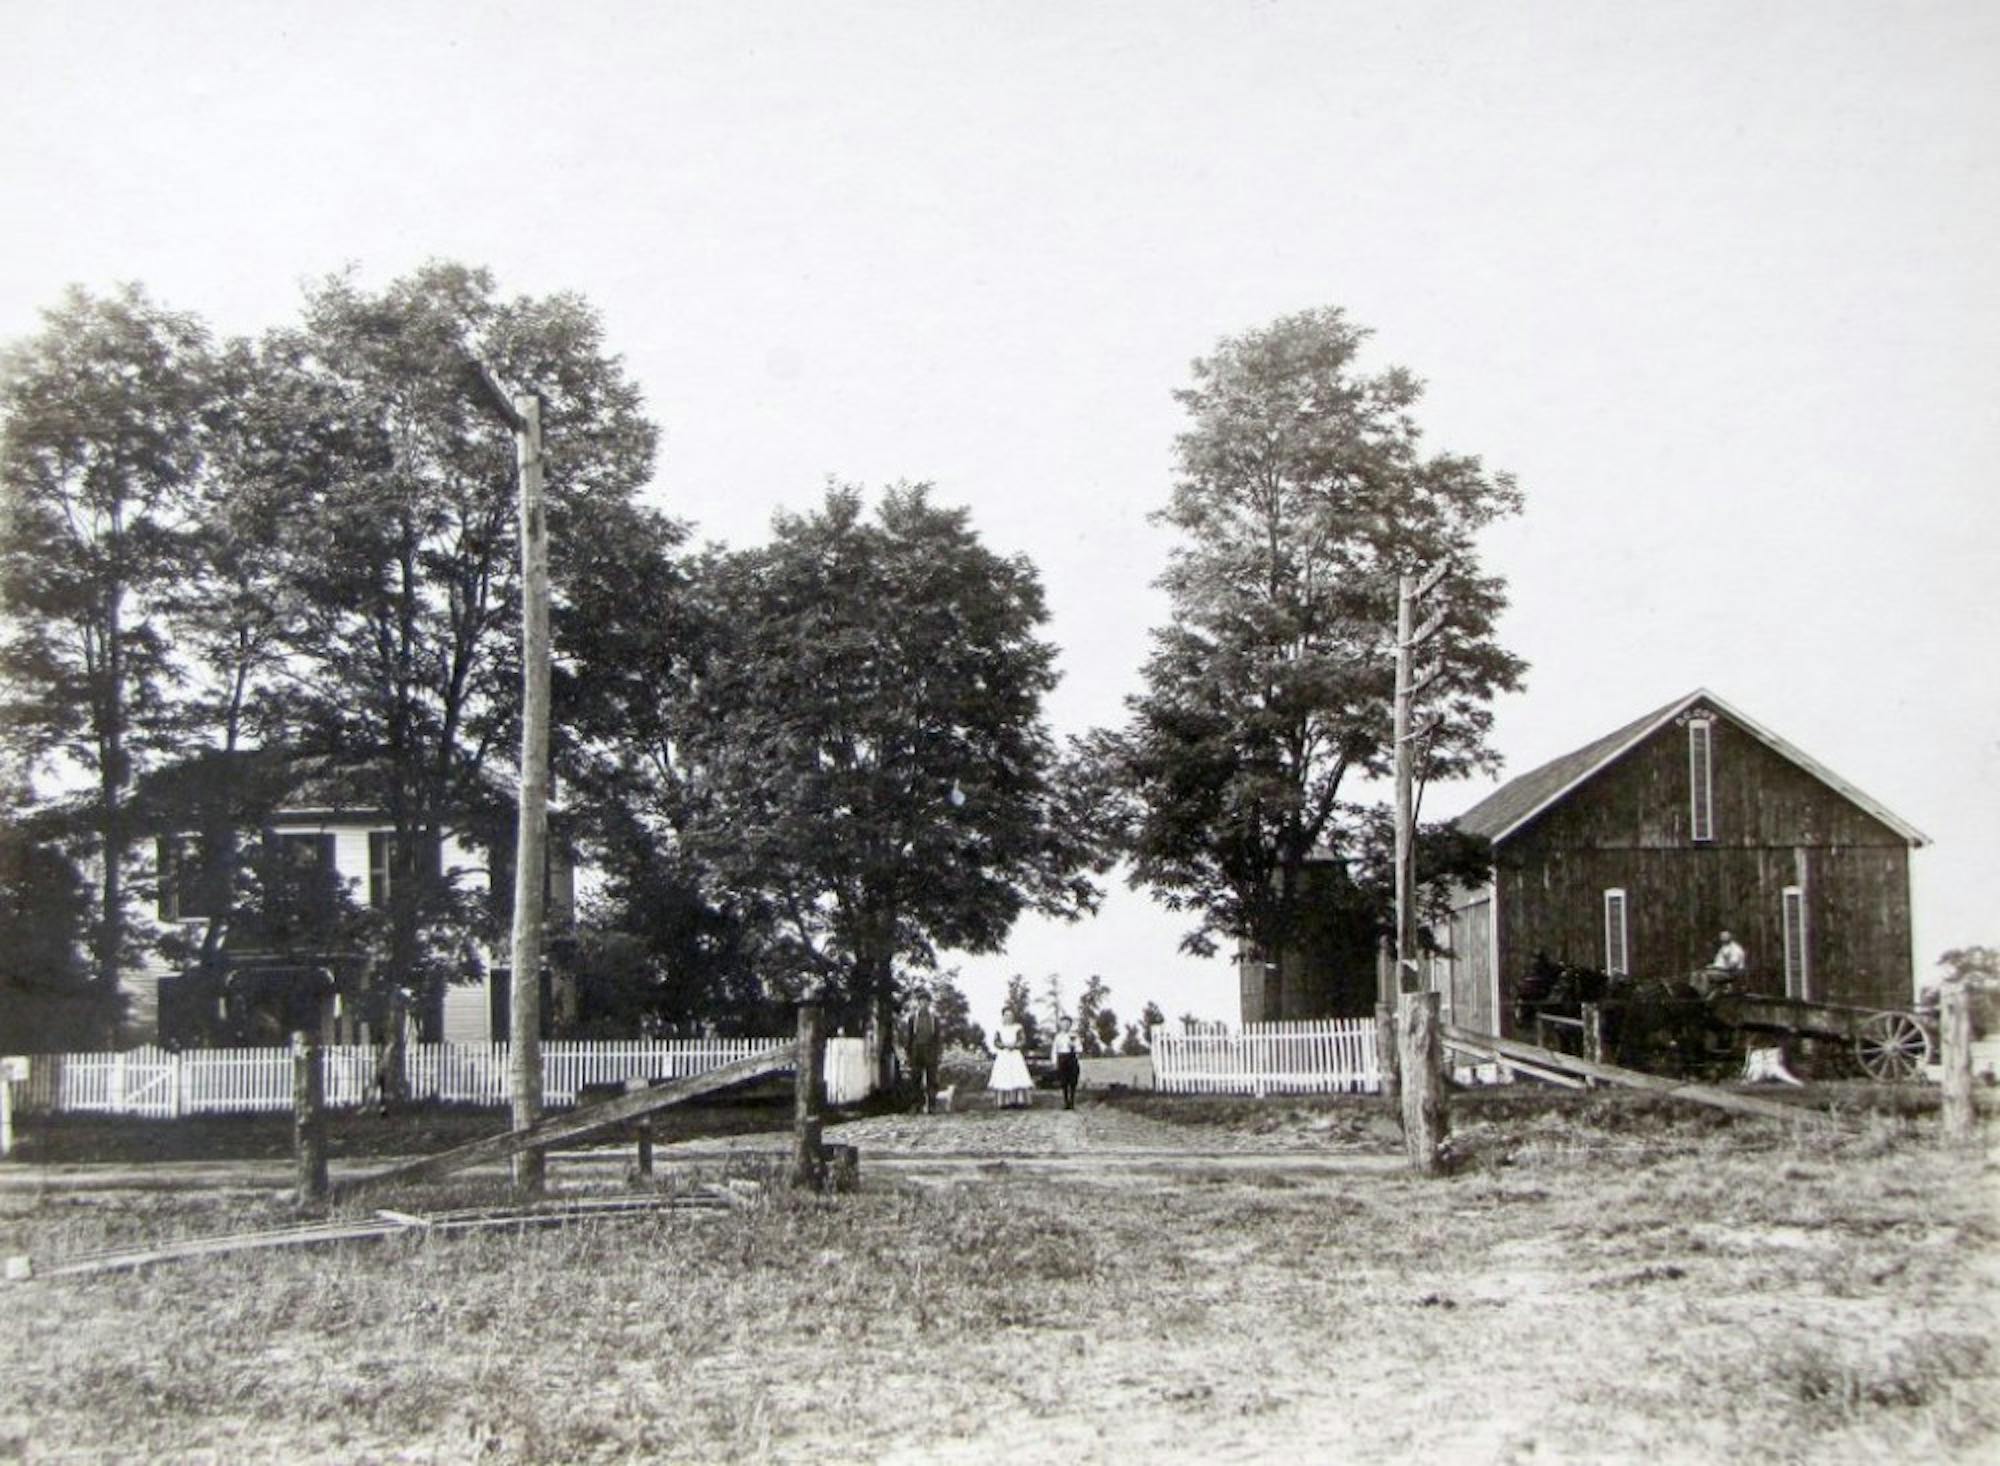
(1701, 1094)
(579, 1122)
(370, 1229)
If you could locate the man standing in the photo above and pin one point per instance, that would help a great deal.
(1067, 1051)
(922, 1042)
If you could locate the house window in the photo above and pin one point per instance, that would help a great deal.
(299, 871)
(381, 864)
(194, 883)
(1617, 949)
(1798, 974)
(1701, 779)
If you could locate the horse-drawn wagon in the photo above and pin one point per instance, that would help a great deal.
(1706, 1020)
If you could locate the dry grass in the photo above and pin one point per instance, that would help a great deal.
(1592, 1284)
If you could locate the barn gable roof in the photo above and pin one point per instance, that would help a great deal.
(1516, 802)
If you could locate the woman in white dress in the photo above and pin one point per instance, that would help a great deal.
(1009, 1080)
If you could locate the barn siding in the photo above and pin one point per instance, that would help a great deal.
(1775, 825)
(1468, 984)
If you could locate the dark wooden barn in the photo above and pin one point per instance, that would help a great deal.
(1635, 852)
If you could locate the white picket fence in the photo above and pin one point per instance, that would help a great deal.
(161, 1084)
(1335, 1055)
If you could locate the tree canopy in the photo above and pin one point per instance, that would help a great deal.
(1303, 493)
(865, 748)
(104, 415)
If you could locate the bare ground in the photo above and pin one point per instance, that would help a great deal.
(1600, 1280)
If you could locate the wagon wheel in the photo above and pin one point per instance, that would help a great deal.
(1892, 1046)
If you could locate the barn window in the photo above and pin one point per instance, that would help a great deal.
(1617, 949)
(1798, 975)
(1701, 779)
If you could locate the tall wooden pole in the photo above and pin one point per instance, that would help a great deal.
(1409, 637)
(1424, 1120)
(1406, 925)
(532, 834)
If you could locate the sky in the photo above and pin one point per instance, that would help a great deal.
(1714, 281)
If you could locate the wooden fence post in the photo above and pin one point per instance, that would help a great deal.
(308, 1117)
(1955, 1041)
(642, 1128)
(1593, 1038)
(809, 1099)
(1422, 1058)
(7, 1073)
(1386, 1063)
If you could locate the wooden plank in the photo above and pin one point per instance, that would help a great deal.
(555, 1129)
(1701, 1094)
(1514, 1066)
(384, 1224)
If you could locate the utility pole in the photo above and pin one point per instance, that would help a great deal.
(1409, 591)
(1420, 1050)
(523, 413)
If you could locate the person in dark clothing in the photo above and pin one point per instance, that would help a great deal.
(1067, 1051)
(921, 1041)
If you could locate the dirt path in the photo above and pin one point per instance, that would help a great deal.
(1092, 1143)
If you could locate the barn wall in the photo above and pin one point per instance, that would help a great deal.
(1775, 826)
(1466, 978)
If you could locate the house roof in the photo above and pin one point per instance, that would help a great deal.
(261, 783)
(1519, 800)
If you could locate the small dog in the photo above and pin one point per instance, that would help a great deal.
(941, 1105)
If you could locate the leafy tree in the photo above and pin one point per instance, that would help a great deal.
(954, 1016)
(48, 1002)
(1089, 1010)
(1302, 495)
(865, 751)
(1104, 1031)
(654, 953)
(1134, 1043)
(1053, 1007)
(1018, 1008)
(103, 415)
(408, 616)
(1969, 963)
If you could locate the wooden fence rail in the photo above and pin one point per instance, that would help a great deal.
(160, 1084)
(1330, 1056)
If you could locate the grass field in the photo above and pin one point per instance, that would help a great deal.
(1601, 1279)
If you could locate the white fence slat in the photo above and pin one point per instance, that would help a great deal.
(1325, 1056)
(159, 1084)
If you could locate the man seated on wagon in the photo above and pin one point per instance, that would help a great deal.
(1725, 969)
